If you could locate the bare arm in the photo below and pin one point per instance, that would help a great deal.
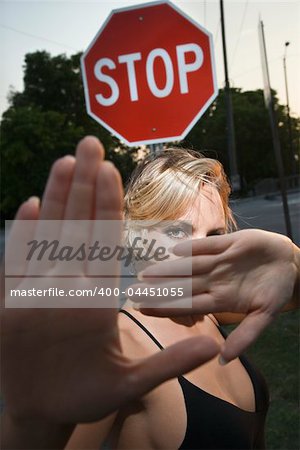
(294, 302)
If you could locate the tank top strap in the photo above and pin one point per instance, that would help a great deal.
(259, 384)
(139, 324)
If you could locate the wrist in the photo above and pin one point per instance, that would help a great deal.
(296, 295)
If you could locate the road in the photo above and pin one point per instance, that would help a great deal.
(267, 213)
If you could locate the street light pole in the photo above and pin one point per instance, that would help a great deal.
(234, 175)
(292, 158)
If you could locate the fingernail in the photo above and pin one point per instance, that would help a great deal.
(140, 276)
(108, 162)
(222, 361)
(34, 199)
(136, 306)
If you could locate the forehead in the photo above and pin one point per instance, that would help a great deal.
(207, 211)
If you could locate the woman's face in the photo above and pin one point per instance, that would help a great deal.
(205, 217)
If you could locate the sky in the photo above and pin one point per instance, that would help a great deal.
(59, 26)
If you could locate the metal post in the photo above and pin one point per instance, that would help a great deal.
(234, 175)
(156, 149)
(292, 156)
(273, 123)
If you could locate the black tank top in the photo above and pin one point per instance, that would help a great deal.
(213, 423)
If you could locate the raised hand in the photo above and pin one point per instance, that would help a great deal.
(65, 365)
(251, 272)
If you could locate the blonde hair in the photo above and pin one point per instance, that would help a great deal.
(163, 187)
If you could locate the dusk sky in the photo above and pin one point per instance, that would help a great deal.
(69, 26)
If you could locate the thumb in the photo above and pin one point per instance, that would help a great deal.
(175, 360)
(244, 335)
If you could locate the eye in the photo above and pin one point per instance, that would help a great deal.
(176, 233)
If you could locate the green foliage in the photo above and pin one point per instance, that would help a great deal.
(276, 354)
(45, 122)
(31, 140)
(254, 148)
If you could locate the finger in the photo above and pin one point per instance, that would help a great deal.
(181, 267)
(89, 154)
(57, 189)
(176, 360)
(156, 273)
(17, 237)
(109, 198)
(79, 208)
(29, 210)
(210, 245)
(107, 230)
(199, 304)
(168, 291)
(52, 210)
(165, 310)
(244, 335)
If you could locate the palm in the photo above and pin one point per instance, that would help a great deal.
(74, 352)
(71, 347)
(252, 273)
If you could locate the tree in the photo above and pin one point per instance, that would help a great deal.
(31, 140)
(44, 122)
(254, 147)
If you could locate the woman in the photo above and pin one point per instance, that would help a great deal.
(62, 367)
(213, 406)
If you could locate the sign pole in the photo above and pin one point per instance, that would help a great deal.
(274, 129)
(156, 149)
(234, 176)
(292, 157)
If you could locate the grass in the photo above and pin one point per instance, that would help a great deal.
(276, 353)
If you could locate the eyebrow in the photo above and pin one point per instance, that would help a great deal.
(187, 224)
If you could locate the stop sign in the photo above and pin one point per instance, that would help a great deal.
(149, 73)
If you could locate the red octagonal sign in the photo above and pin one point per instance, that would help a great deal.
(149, 73)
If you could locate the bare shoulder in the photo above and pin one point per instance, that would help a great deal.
(214, 319)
